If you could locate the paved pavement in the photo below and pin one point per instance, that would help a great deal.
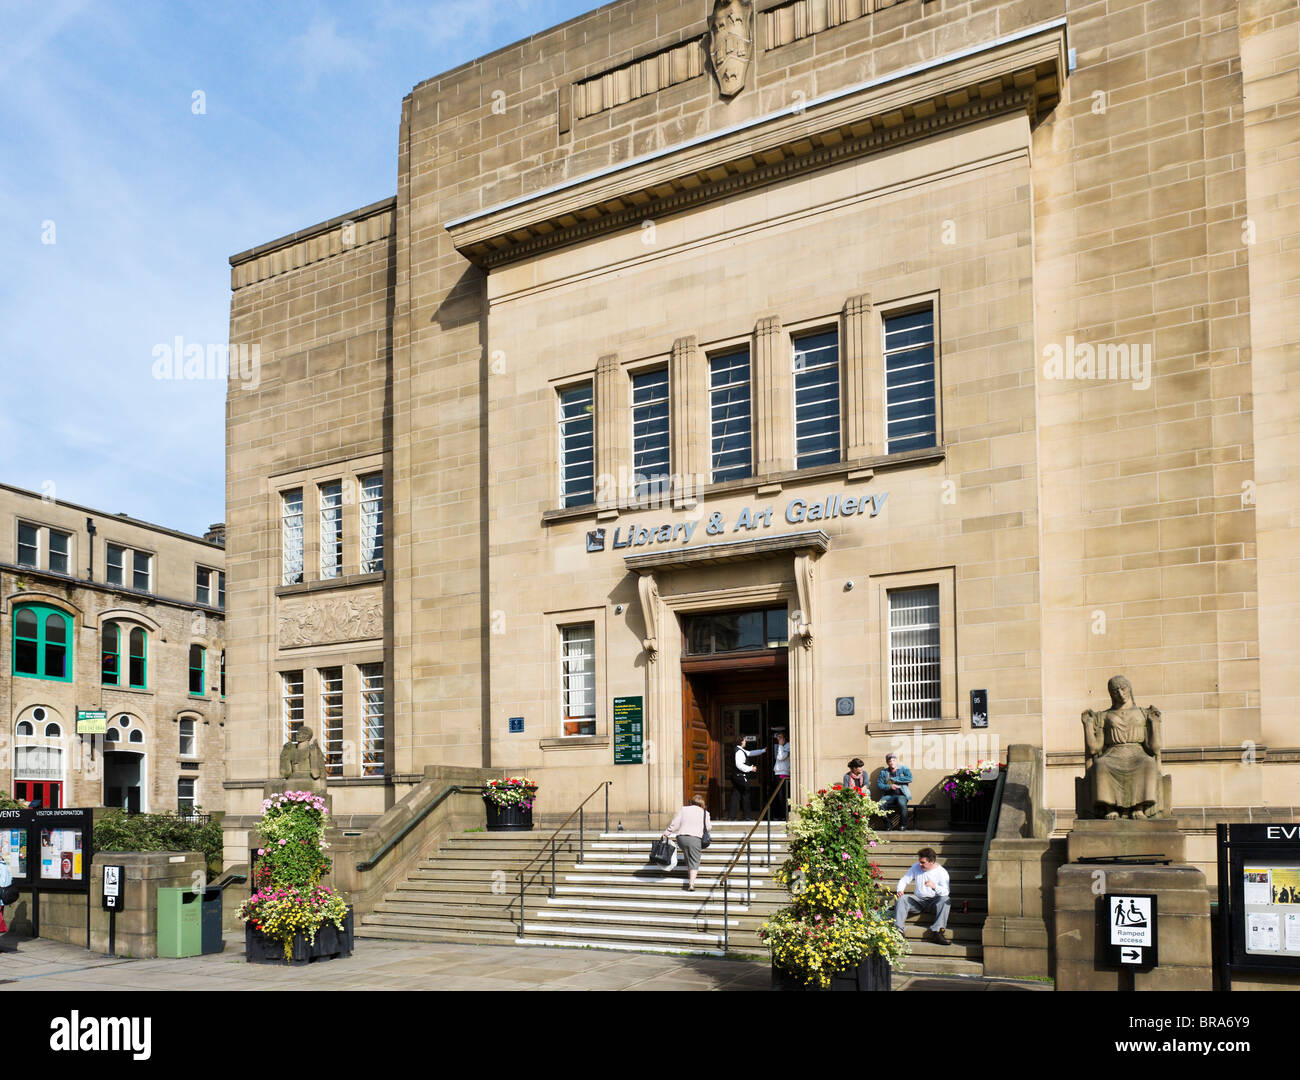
(403, 965)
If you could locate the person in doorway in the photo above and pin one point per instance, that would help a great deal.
(688, 826)
(855, 778)
(892, 782)
(931, 892)
(6, 880)
(742, 778)
(781, 770)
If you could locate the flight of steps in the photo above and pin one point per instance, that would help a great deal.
(614, 898)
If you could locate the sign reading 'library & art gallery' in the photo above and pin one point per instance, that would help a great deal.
(797, 512)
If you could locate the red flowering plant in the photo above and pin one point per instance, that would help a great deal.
(511, 791)
(289, 899)
(965, 783)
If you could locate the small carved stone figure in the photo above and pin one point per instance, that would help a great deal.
(730, 44)
(1122, 747)
(301, 758)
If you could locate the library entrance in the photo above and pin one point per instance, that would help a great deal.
(735, 688)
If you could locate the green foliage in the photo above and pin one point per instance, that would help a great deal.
(6, 803)
(119, 831)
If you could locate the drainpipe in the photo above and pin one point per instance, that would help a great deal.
(90, 528)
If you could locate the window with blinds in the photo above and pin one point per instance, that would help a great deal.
(331, 530)
(578, 679)
(577, 446)
(372, 719)
(372, 524)
(817, 399)
(291, 537)
(909, 381)
(292, 702)
(914, 676)
(730, 412)
(650, 432)
(331, 719)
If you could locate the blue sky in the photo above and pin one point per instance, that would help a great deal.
(145, 191)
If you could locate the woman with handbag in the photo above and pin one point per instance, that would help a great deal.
(691, 826)
(7, 893)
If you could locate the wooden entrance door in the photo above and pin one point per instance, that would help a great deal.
(699, 765)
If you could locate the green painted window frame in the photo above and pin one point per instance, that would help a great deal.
(203, 653)
(115, 653)
(42, 613)
(143, 684)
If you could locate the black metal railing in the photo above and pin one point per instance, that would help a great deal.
(991, 830)
(409, 827)
(746, 848)
(578, 812)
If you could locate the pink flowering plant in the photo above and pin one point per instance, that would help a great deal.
(289, 898)
(965, 783)
(511, 791)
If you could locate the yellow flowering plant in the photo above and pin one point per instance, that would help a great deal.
(836, 917)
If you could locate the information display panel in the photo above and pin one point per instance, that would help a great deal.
(1259, 897)
(61, 841)
(15, 832)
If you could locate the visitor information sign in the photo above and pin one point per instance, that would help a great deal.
(1131, 929)
(629, 730)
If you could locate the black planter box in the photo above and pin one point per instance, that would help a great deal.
(331, 943)
(507, 818)
(973, 813)
(873, 973)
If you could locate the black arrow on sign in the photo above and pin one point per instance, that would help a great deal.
(1131, 954)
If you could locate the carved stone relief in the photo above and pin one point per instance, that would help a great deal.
(326, 619)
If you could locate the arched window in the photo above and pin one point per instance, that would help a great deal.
(53, 731)
(139, 651)
(112, 735)
(136, 735)
(41, 638)
(187, 737)
(110, 648)
(25, 728)
(196, 670)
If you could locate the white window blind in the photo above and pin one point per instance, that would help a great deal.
(372, 719)
(331, 718)
(578, 679)
(38, 763)
(650, 432)
(293, 702)
(909, 381)
(331, 530)
(914, 685)
(577, 445)
(730, 412)
(291, 537)
(372, 524)
(817, 399)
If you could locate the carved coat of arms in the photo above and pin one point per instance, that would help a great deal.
(730, 44)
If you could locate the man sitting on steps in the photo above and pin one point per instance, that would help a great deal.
(931, 893)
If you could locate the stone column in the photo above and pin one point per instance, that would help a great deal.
(663, 718)
(860, 364)
(773, 397)
(613, 433)
(803, 661)
(688, 385)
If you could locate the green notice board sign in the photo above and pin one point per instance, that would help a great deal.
(92, 721)
(629, 730)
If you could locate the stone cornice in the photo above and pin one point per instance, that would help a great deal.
(1022, 71)
(731, 551)
(314, 243)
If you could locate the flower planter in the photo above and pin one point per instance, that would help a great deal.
(873, 973)
(508, 818)
(973, 813)
(331, 943)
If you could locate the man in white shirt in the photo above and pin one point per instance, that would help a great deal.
(930, 893)
(742, 778)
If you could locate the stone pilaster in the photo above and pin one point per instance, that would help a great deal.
(688, 385)
(613, 433)
(863, 393)
(773, 399)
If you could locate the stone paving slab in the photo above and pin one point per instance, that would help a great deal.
(403, 965)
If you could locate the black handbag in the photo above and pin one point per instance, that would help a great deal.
(661, 852)
(9, 895)
(706, 839)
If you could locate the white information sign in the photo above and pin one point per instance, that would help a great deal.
(1261, 932)
(1130, 921)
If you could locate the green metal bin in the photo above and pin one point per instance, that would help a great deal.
(180, 925)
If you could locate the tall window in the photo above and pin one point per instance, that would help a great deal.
(817, 399)
(223, 673)
(291, 537)
(730, 430)
(578, 679)
(292, 702)
(577, 446)
(29, 545)
(41, 642)
(188, 741)
(59, 545)
(141, 570)
(331, 718)
(914, 686)
(909, 381)
(331, 530)
(138, 655)
(209, 586)
(372, 524)
(123, 561)
(196, 670)
(115, 569)
(110, 654)
(185, 795)
(650, 432)
(372, 719)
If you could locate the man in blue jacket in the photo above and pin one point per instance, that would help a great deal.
(892, 783)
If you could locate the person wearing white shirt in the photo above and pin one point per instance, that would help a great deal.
(781, 770)
(742, 778)
(930, 893)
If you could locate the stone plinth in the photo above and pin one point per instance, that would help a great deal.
(145, 872)
(1184, 930)
(1126, 837)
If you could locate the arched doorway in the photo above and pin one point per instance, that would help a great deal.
(124, 764)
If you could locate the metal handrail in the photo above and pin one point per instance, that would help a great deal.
(991, 829)
(725, 878)
(577, 812)
(444, 795)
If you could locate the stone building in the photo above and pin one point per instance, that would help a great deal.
(105, 613)
(810, 365)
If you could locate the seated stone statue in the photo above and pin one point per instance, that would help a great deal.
(301, 758)
(1122, 765)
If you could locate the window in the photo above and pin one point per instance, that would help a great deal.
(112, 735)
(187, 737)
(29, 545)
(291, 696)
(141, 570)
(42, 638)
(331, 719)
(138, 654)
(816, 399)
(136, 736)
(650, 452)
(116, 565)
(914, 671)
(110, 654)
(331, 530)
(732, 456)
(736, 631)
(57, 547)
(209, 586)
(185, 795)
(223, 673)
(372, 524)
(196, 670)
(291, 537)
(578, 679)
(372, 719)
(577, 446)
(910, 412)
(140, 562)
(25, 728)
(53, 731)
(60, 542)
